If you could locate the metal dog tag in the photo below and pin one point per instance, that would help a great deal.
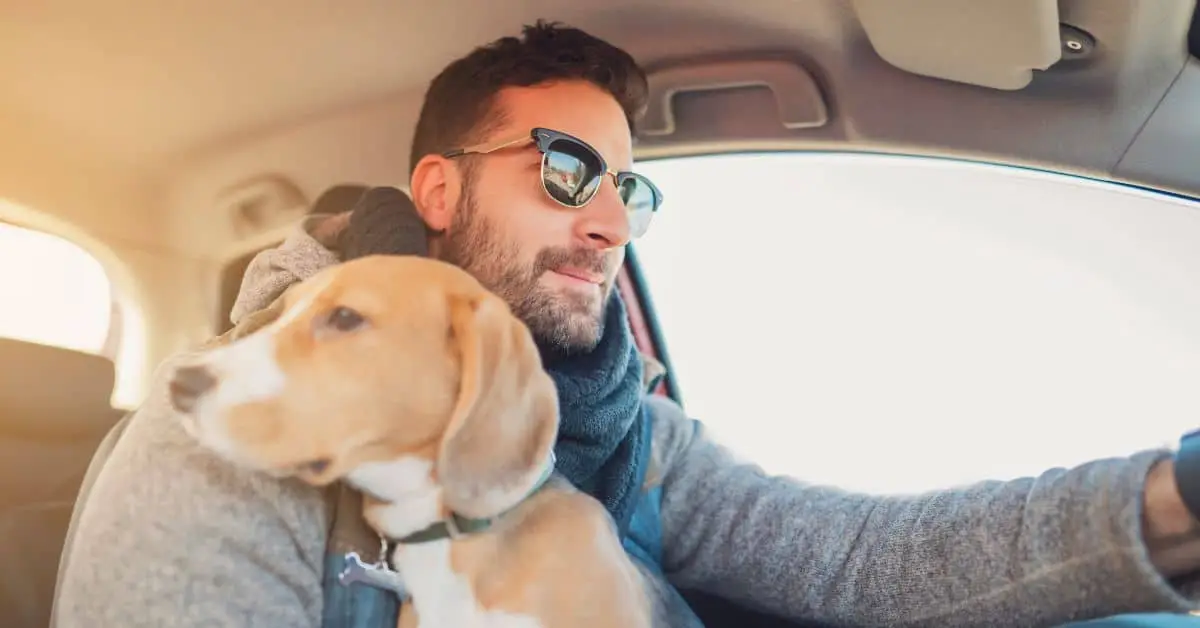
(376, 576)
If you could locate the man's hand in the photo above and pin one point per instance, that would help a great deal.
(1171, 533)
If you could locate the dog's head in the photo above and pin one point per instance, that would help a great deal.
(376, 360)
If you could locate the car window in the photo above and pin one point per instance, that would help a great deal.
(53, 292)
(896, 324)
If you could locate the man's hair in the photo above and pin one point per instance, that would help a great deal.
(460, 104)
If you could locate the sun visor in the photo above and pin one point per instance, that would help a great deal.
(991, 43)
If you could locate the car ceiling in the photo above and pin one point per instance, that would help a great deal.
(148, 106)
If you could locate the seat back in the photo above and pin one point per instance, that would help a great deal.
(54, 411)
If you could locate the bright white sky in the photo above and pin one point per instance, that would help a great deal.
(895, 324)
(53, 291)
(883, 324)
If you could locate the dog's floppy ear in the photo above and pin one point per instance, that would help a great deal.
(506, 418)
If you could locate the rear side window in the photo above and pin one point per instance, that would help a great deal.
(53, 292)
(897, 324)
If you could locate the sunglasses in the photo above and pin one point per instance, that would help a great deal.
(572, 172)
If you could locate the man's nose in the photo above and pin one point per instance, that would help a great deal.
(188, 384)
(604, 222)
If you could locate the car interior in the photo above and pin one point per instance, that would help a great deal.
(173, 141)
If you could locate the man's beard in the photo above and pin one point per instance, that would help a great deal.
(563, 322)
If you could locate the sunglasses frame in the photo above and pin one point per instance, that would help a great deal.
(542, 138)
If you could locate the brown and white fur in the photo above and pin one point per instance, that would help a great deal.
(404, 377)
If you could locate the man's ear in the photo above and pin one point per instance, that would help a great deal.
(505, 421)
(435, 187)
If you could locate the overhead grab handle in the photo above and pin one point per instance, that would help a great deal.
(800, 102)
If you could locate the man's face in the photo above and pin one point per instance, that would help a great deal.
(554, 265)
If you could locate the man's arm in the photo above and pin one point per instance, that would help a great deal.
(172, 536)
(1062, 546)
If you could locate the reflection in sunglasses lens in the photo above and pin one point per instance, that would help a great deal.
(639, 199)
(571, 172)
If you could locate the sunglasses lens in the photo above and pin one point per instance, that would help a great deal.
(641, 199)
(571, 172)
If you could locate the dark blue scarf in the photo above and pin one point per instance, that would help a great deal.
(603, 441)
(604, 437)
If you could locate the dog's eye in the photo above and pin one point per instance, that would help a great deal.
(344, 319)
(315, 467)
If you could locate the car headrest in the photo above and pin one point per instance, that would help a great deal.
(53, 391)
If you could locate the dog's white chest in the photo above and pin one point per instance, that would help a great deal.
(443, 598)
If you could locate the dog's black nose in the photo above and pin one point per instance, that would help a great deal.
(188, 384)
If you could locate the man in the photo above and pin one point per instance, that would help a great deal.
(512, 177)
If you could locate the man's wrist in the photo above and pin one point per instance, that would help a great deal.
(1171, 532)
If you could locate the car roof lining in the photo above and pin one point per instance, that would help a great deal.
(149, 163)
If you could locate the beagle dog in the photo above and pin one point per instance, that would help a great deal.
(405, 378)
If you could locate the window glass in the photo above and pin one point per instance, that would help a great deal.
(897, 324)
(53, 292)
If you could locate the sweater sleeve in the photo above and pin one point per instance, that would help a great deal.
(1046, 550)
